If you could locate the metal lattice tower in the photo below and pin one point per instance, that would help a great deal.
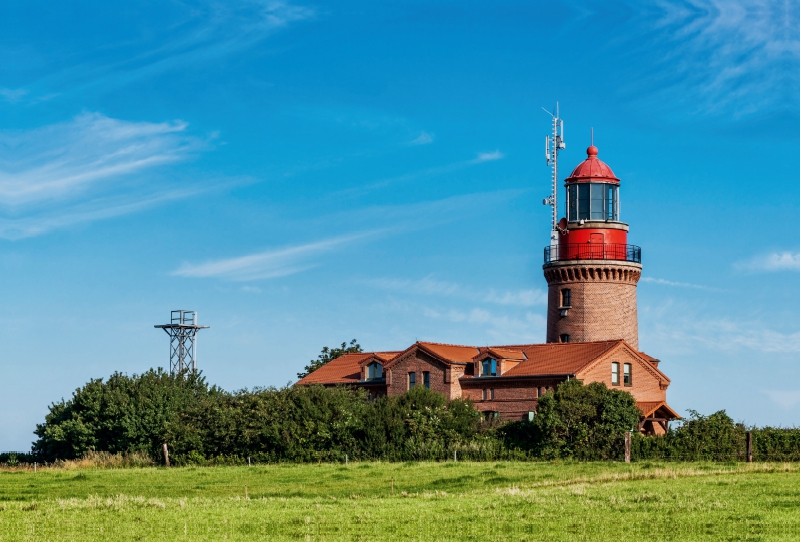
(182, 331)
(552, 145)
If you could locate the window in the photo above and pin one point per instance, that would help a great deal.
(489, 367)
(489, 415)
(597, 201)
(592, 201)
(374, 371)
(627, 375)
(483, 394)
(426, 379)
(572, 202)
(564, 337)
(612, 212)
(542, 391)
(412, 380)
(615, 373)
(531, 415)
(566, 297)
(583, 201)
(492, 394)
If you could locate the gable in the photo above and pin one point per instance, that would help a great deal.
(623, 350)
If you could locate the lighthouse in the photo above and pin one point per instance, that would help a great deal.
(591, 270)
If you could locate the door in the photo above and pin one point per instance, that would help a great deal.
(596, 245)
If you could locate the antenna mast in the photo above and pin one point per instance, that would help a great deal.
(554, 143)
(182, 331)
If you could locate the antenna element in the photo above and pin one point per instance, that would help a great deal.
(553, 144)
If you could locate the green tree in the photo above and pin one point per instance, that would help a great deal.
(328, 355)
(583, 422)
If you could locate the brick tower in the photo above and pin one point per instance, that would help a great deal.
(592, 271)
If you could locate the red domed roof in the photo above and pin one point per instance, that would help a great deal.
(592, 169)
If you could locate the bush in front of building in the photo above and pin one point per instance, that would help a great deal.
(576, 421)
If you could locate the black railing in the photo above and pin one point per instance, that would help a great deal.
(593, 251)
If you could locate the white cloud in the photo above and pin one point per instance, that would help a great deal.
(786, 399)
(58, 161)
(423, 139)
(783, 261)
(271, 263)
(489, 156)
(90, 168)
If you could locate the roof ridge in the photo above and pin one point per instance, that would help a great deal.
(447, 344)
(507, 346)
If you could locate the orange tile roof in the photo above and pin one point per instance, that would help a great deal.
(386, 356)
(342, 370)
(451, 352)
(649, 407)
(559, 358)
(649, 358)
(506, 353)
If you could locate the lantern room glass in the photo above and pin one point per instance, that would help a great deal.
(593, 201)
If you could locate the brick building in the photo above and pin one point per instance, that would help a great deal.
(592, 325)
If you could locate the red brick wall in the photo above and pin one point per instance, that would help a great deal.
(645, 384)
(603, 301)
(512, 399)
(443, 379)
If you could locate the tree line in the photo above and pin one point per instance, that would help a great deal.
(203, 424)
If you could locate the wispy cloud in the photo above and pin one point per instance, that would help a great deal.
(270, 263)
(430, 286)
(489, 156)
(86, 169)
(681, 327)
(421, 174)
(12, 95)
(786, 399)
(384, 221)
(777, 261)
(500, 328)
(423, 139)
(665, 282)
(205, 31)
(738, 54)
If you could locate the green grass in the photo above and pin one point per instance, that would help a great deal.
(431, 501)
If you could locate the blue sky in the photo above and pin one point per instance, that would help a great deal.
(307, 173)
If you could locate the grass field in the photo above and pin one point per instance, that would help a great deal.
(430, 501)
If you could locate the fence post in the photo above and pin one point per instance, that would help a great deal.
(166, 455)
(749, 446)
(627, 446)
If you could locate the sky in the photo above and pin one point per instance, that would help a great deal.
(302, 174)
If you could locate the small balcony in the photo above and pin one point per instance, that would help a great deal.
(593, 251)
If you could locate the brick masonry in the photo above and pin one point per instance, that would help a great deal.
(603, 304)
(443, 378)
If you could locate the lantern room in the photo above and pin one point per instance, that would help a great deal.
(592, 228)
(592, 191)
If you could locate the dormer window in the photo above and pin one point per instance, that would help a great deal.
(489, 367)
(374, 371)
